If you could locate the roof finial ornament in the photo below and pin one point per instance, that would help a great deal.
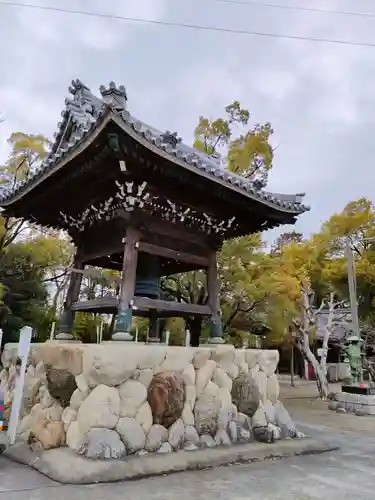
(171, 138)
(77, 85)
(114, 96)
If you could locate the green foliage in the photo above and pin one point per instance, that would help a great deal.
(44, 317)
(85, 327)
(285, 239)
(356, 222)
(249, 153)
(24, 294)
(27, 152)
(27, 256)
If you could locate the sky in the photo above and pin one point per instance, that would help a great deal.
(319, 98)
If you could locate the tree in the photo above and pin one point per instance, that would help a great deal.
(356, 223)
(248, 154)
(255, 293)
(332, 321)
(52, 253)
(188, 288)
(28, 151)
(304, 327)
(285, 239)
(24, 295)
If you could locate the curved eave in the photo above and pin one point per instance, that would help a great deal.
(196, 164)
(57, 161)
(135, 129)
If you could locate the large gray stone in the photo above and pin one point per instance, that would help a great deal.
(131, 434)
(259, 418)
(191, 435)
(222, 438)
(102, 444)
(204, 375)
(222, 379)
(177, 434)
(207, 441)
(74, 436)
(101, 408)
(132, 394)
(61, 384)
(31, 388)
(284, 422)
(110, 365)
(155, 437)
(263, 434)
(144, 416)
(206, 411)
(246, 393)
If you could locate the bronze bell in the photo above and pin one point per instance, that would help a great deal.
(148, 276)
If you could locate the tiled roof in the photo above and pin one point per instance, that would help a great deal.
(80, 118)
(340, 327)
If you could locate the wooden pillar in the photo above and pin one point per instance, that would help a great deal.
(67, 317)
(129, 272)
(153, 328)
(213, 290)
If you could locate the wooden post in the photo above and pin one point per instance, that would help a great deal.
(129, 272)
(67, 317)
(153, 328)
(213, 290)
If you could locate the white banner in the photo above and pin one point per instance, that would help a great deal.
(23, 354)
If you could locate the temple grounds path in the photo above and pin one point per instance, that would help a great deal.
(346, 474)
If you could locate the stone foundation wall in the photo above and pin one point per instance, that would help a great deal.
(359, 404)
(113, 400)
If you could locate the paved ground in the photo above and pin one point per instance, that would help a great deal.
(335, 476)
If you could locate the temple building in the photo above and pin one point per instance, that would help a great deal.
(140, 201)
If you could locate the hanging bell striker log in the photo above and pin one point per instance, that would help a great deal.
(147, 282)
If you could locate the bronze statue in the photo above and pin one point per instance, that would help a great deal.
(354, 356)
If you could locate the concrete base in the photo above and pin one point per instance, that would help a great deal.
(364, 390)
(216, 340)
(122, 337)
(356, 403)
(64, 337)
(64, 466)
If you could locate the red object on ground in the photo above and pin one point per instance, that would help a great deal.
(311, 371)
(362, 385)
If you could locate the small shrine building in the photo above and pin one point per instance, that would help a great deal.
(140, 201)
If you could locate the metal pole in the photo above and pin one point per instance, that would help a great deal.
(352, 286)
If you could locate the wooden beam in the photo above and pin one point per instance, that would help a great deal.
(67, 317)
(104, 251)
(149, 223)
(129, 268)
(213, 289)
(213, 286)
(103, 304)
(172, 307)
(173, 254)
